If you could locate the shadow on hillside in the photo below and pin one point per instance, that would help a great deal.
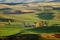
(5, 20)
(16, 12)
(25, 37)
(51, 29)
(30, 37)
(3, 9)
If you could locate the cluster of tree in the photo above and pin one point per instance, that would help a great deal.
(46, 15)
(36, 24)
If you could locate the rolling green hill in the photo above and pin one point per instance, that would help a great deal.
(17, 26)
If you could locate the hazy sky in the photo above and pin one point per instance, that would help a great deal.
(20, 1)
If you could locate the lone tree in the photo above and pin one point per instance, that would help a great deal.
(9, 22)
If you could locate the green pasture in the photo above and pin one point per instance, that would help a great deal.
(17, 26)
(8, 30)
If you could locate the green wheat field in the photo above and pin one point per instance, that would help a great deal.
(13, 18)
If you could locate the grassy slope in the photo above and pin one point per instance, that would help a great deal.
(27, 17)
(22, 17)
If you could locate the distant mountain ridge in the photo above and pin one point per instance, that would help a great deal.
(27, 1)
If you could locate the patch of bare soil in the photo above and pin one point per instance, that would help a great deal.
(50, 35)
(2, 24)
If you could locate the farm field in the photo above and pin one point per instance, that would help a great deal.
(12, 24)
(31, 18)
